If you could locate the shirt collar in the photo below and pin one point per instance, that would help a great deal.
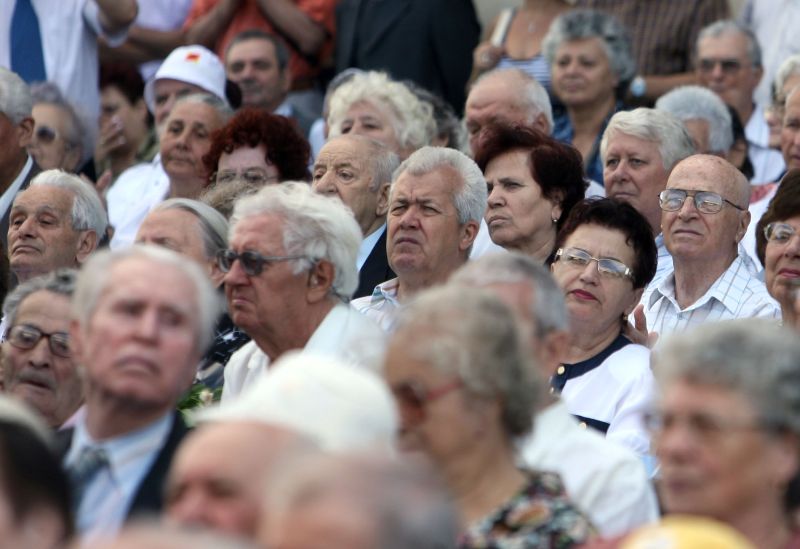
(386, 291)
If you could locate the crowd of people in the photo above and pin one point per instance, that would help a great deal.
(348, 274)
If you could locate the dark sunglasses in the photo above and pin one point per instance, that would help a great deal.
(253, 263)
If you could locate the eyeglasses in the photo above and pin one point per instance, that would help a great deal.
(705, 427)
(25, 336)
(412, 398)
(253, 176)
(729, 66)
(45, 135)
(579, 259)
(780, 233)
(671, 200)
(252, 262)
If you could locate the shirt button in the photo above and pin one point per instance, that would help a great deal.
(561, 370)
(552, 390)
(582, 425)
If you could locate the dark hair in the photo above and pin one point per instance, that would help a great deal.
(281, 52)
(123, 76)
(784, 205)
(286, 148)
(620, 216)
(32, 475)
(556, 167)
(738, 135)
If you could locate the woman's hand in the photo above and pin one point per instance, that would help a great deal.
(637, 332)
(111, 138)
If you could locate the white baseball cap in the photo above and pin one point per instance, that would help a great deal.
(191, 64)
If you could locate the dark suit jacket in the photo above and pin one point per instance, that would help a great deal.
(34, 171)
(375, 270)
(148, 499)
(427, 41)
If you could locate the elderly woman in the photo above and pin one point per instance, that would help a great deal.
(374, 105)
(727, 425)
(778, 247)
(604, 259)
(254, 149)
(60, 139)
(592, 65)
(534, 181)
(457, 367)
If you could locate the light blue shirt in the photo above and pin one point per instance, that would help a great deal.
(109, 495)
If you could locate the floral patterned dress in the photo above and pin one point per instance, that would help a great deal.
(540, 516)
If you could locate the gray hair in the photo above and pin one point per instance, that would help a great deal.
(532, 96)
(15, 96)
(415, 126)
(789, 68)
(753, 357)
(80, 132)
(447, 123)
(314, 226)
(406, 502)
(88, 213)
(212, 224)
(61, 282)
(582, 24)
(475, 335)
(729, 26)
(382, 160)
(470, 200)
(697, 102)
(95, 277)
(220, 105)
(674, 141)
(547, 308)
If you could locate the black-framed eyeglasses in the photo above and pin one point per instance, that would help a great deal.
(778, 232)
(252, 262)
(671, 200)
(253, 176)
(27, 336)
(579, 259)
(45, 134)
(729, 66)
(412, 398)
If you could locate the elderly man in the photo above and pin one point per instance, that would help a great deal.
(639, 149)
(726, 427)
(359, 171)
(290, 265)
(436, 204)
(38, 366)
(612, 487)
(704, 218)
(705, 116)
(17, 168)
(187, 70)
(56, 222)
(728, 62)
(142, 319)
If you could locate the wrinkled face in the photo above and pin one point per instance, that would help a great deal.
(782, 265)
(595, 299)
(343, 169)
(375, 121)
(495, 100)
(634, 172)
(424, 235)
(690, 233)
(698, 130)
(217, 477)
(582, 73)
(715, 459)
(50, 146)
(253, 65)
(249, 164)
(724, 67)
(790, 134)
(518, 216)
(186, 139)
(166, 91)
(48, 382)
(40, 234)
(260, 305)
(774, 112)
(140, 344)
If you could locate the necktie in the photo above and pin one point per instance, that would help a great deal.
(27, 57)
(90, 461)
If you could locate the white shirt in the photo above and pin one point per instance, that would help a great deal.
(107, 499)
(131, 198)
(7, 198)
(343, 333)
(757, 211)
(768, 164)
(69, 30)
(606, 481)
(381, 307)
(483, 243)
(367, 244)
(735, 294)
(160, 15)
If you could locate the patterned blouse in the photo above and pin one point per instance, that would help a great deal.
(540, 516)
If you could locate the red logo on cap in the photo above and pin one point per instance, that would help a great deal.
(193, 57)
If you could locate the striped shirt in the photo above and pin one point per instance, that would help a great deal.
(735, 294)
